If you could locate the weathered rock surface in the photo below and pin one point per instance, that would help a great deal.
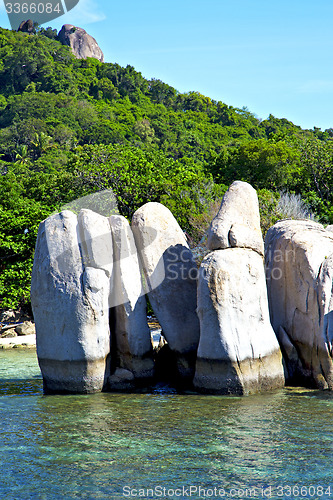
(238, 351)
(70, 306)
(237, 223)
(82, 44)
(96, 242)
(171, 276)
(299, 262)
(8, 334)
(27, 328)
(27, 26)
(11, 316)
(122, 380)
(130, 330)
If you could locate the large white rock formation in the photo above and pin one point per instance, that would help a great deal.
(238, 351)
(299, 261)
(171, 280)
(237, 223)
(130, 331)
(82, 44)
(96, 242)
(69, 296)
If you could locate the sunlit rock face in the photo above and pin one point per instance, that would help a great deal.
(70, 291)
(238, 351)
(237, 223)
(299, 261)
(82, 44)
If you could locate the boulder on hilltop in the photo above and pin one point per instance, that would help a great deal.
(82, 44)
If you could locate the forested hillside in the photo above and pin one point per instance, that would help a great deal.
(72, 127)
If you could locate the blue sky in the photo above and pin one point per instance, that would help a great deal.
(270, 56)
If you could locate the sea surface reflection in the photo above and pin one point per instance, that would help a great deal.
(108, 446)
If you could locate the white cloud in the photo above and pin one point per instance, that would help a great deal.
(86, 12)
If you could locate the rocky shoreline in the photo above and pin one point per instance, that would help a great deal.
(237, 325)
(17, 329)
(28, 341)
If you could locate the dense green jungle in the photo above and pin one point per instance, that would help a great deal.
(70, 128)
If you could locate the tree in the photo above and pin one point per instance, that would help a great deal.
(22, 156)
(262, 163)
(41, 144)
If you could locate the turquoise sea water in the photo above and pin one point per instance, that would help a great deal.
(114, 446)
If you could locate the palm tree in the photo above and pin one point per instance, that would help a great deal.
(22, 156)
(41, 143)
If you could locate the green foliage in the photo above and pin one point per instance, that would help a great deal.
(301, 166)
(137, 176)
(70, 128)
(268, 203)
(263, 163)
(317, 176)
(19, 221)
(25, 59)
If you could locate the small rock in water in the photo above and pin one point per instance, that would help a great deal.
(8, 334)
(122, 379)
(237, 224)
(27, 328)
